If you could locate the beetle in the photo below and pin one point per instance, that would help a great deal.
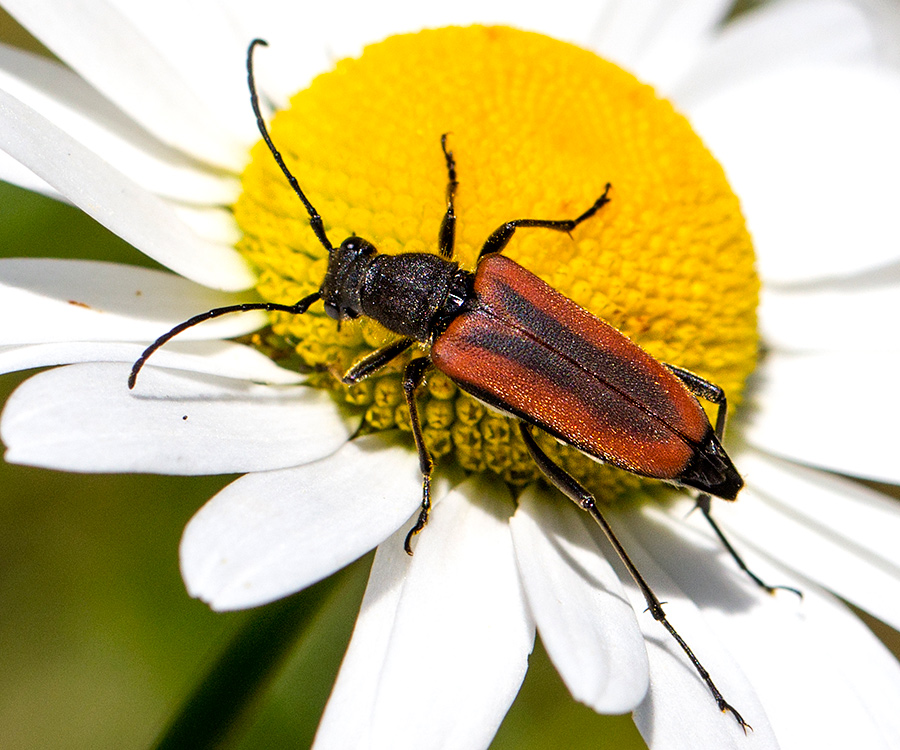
(513, 342)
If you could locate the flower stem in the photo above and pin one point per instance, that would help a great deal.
(223, 701)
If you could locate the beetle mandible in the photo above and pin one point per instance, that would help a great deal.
(510, 340)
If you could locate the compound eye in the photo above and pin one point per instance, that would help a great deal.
(358, 246)
(332, 311)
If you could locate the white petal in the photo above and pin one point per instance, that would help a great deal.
(272, 533)
(679, 711)
(655, 39)
(813, 155)
(442, 640)
(837, 412)
(884, 19)
(773, 37)
(832, 530)
(15, 173)
(79, 300)
(870, 671)
(105, 46)
(139, 217)
(221, 358)
(66, 99)
(814, 696)
(210, 223)
(305, 39)
(584, 618)
(84, 418)
(840, 317)
(211, 66)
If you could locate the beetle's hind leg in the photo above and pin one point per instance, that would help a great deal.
(708, 391)
(570, 487)
(501, 236)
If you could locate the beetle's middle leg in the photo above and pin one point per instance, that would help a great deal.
(711, 392)
(413, 374)
(501, 236)
(412, 379)
(570, 487)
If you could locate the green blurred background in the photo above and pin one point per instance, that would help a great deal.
(101, 646)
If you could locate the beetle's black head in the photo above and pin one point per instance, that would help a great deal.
(346, 268)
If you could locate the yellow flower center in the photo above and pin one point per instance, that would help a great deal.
(538, 127)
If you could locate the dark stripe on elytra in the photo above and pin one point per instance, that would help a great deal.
(706, 470)
(534, 357)
(629, 380)
(605, 457)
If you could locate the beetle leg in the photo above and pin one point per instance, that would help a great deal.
(373, 361)
(501, 236)
(571, 488)
(412, 379)
(447, 232)
(704, 389)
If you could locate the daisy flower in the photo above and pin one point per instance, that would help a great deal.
(146, 128)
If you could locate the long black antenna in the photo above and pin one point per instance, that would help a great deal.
(315, 221)
(296, 309)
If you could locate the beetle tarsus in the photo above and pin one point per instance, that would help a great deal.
(423, 515)
(726, 707)
(705, 509)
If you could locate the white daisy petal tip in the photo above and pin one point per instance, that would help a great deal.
(585, 620)
(270, 534)
(84, 418)
(787, 395)
(442, 641)
(800, 113)
(138, 216)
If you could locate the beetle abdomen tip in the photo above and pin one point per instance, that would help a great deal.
(711, 470)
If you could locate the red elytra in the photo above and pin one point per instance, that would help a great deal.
(527, 350)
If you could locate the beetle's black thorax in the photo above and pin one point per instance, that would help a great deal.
(412, 294)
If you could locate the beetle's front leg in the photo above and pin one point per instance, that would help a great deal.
(412, 379)
(374, 361)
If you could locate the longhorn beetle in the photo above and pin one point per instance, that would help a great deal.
(513, 342)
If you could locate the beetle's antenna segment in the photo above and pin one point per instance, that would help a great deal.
(298, 309)
(315, 221)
